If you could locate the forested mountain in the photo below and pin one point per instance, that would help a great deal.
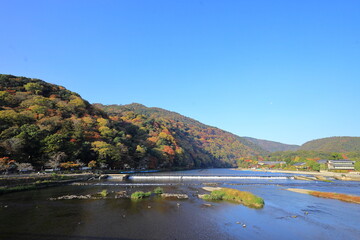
(333, 144)
(43, 124)
(220, 144)
(271, 146)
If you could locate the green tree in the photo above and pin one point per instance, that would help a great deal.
(6, 99)
(336, 156)
(357, 165)
(140, 152)
(36, 88)
(313, 165)
(31, 136)
(107, 153)
(54, 143)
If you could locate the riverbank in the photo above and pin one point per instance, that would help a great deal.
(352, 176)
(17, 183)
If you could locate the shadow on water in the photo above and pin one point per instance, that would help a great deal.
(31, 236)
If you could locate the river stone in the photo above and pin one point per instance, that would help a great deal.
(121, 194)
(174, 195)
(70, 197)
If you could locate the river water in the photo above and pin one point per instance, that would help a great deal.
(286, 215)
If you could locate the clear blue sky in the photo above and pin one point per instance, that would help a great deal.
(286, 71)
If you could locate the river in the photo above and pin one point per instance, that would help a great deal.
(286, 215)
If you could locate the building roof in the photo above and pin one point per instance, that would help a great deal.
(341, 161)
(343, 165)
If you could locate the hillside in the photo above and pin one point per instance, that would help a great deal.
(165, 115)
(221, 144)
(271, 146)
(43, 124)
(333, 144)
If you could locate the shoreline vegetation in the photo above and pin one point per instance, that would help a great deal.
(33, 182)
(233, 195)
(329, 195)
(351, 176)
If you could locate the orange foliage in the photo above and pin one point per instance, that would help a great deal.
(152, 139)
(92, 164)
(12, 92)
(92, 135)
(4, 160)
(114, 118)
(168, 150)
(165, 130)
(67, 165)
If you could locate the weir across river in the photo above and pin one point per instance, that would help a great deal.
(159, 177)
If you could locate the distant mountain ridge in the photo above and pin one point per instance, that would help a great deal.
(333, 144)
(272, 146)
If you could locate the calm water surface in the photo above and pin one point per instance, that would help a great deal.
(286, 215)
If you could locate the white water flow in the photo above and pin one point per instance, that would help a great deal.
(188, 177)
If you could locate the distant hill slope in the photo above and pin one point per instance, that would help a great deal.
(271, 146)
(333, 144)
(222, 144)
(45, 124)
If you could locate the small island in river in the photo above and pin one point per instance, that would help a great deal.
(233, 195)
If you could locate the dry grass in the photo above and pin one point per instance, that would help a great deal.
(330, 195)
(338, 196)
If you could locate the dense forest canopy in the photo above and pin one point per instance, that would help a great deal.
(46, 125)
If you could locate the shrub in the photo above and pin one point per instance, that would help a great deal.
(140, 195)
(215, 195)
(103, 193)
(158, 190)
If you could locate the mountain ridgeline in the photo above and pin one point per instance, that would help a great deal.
(271, 146)
(333, 144)
(47, 125)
